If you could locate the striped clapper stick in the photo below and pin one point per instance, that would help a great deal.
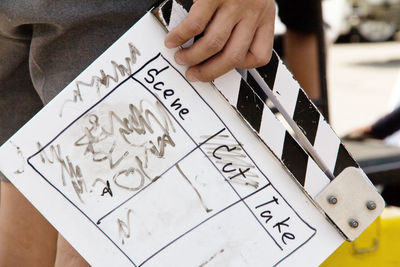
(316, 158)
(277, 84)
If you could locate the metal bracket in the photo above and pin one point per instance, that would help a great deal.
(351, 202)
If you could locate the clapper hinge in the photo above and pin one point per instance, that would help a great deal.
(351, 202)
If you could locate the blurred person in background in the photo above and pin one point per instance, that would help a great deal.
(382, 128)
(300, 42)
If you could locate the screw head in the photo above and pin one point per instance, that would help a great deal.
(371, 205)
(353, 223)
(332, 200)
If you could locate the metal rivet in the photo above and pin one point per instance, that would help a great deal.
(353, 223)
(332, 200)
(371, 205)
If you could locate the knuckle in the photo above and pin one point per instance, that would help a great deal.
(240, 3)
(267, 57)
(259, 5)
(262, 60)
(236, 58)
(215, 44)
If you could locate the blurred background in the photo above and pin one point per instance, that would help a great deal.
(363, 64)
(362, 40)
(361, 68)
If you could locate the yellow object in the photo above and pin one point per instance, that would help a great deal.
(377, 246)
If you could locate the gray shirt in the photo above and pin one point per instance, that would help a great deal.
(45, 44)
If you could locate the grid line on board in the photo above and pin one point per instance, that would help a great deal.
(198, 146)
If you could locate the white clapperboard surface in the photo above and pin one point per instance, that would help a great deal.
(136, 166)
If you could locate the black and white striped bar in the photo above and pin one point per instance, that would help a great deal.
(271, 131)
(280, 86)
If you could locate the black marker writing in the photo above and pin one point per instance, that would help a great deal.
(167, 93)
(232, 160)
(107, 189)
(223, 151)
(151, 75)
(281, 224)
(268, 215)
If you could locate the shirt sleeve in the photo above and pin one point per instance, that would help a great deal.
(300, 15)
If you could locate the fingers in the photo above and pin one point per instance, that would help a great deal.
(237, 34)
(213, 41)
(232, 55)
(260, 50)
(194, 24)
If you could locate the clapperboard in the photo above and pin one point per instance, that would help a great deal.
(136, 166)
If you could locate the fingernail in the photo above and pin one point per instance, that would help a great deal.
(179, 60)
(191, 77)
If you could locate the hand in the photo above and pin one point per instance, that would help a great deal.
(237, 34)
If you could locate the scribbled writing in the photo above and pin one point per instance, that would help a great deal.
(67, 168)
(124, 227)
(141, 121)
(231, 160)
(107, 139)
(21, 169)
(105, 79)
